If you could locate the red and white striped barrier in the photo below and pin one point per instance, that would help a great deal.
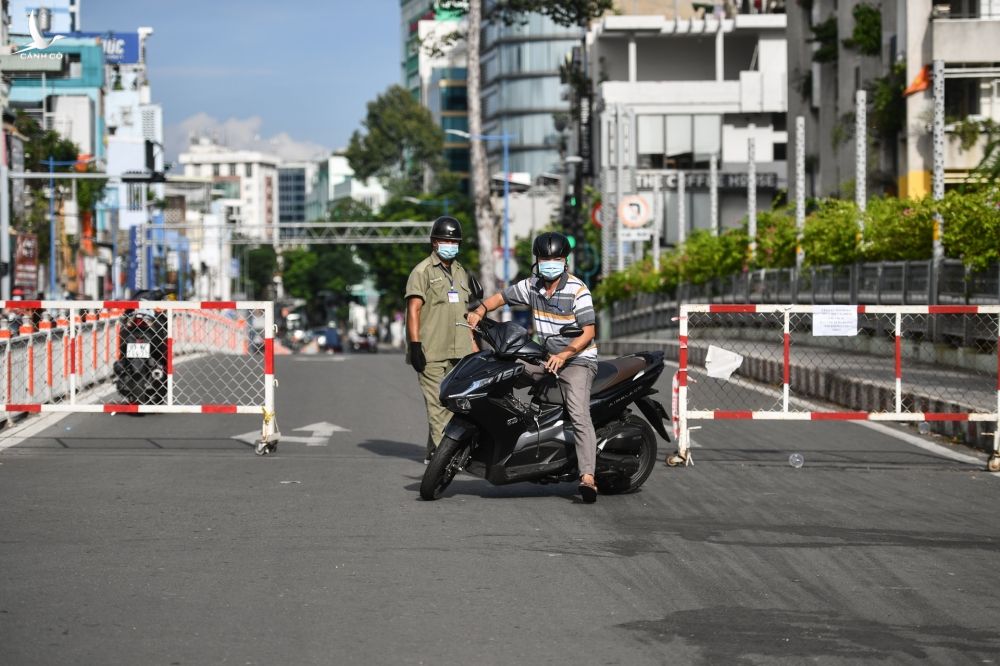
(57, 366)
(978, 400)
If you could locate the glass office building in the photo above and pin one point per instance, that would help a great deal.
(521, 91)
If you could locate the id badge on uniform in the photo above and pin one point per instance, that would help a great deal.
(453, 296)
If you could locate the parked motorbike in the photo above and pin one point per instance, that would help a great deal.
(498, 437)
(140, 374)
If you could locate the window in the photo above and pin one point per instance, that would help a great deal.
(232, 169)
(249, 170)
(780, 152)
(215, 170)
(678, 141)
(961, 98)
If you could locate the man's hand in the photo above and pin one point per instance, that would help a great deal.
(417, 358)
(555, 362)
(473, 318)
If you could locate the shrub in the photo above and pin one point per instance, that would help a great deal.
(972, 227)
(776, 239)
(831, 234)
(898, 229)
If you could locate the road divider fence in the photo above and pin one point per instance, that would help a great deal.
(867, 362)
(209, 357)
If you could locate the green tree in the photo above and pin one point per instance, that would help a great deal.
(898, 229)
(40, 145)
(400, 141)
(563, 12)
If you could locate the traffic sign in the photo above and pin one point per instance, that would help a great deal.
(636, 234)
(498, 264)
(595, 215)
(634, 211)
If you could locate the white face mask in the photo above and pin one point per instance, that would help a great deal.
(550, 270)
(447, 251)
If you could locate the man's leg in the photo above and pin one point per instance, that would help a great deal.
(437, 414)
(575, 381)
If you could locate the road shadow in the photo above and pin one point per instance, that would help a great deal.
(393, 449)
(469, 485)
(809, 635)
(129, 443)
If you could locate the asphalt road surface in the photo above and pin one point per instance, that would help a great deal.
(162, 540)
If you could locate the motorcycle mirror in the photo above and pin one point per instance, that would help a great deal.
(475, 288)
(570, 331)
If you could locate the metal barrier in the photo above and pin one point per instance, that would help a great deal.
(67, 356)
(875, 366)
(878, 283)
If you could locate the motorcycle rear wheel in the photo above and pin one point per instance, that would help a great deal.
(449, 458)
(647, 460)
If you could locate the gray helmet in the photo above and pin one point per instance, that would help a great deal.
(446, 228)
(551, 244)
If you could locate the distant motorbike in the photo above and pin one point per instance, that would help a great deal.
(495, 435)
(140, 374)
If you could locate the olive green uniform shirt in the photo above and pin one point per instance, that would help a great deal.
(430, 281)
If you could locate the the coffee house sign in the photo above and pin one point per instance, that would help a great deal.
(699, 180)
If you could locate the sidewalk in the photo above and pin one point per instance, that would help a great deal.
(848, 380)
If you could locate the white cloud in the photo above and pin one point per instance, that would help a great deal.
(239, 133)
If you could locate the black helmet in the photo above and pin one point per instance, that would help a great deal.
(550, 244)
(446, 228)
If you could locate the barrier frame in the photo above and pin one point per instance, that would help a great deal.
(683, 416)
(73, 353)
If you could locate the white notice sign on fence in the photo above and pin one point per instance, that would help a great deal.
(835, 320)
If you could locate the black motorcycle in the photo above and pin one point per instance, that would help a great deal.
(140, 373)
(499, 437)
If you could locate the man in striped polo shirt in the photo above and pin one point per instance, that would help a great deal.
(556, 299)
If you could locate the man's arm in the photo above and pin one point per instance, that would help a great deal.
(413, 306)
(491, 303)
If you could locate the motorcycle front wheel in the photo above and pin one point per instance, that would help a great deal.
(449, 458)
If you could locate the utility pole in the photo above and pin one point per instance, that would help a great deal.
(938, 174)
(800, 188)
(752, 196)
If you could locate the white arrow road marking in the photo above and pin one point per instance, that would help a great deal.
(321, 433)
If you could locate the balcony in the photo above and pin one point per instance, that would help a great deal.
(965, 40)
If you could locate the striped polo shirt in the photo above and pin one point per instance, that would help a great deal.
(570, 302)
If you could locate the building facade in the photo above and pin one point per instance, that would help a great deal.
(521, 90)
(295, 183)
(249, 177)
(672, 97)
(825, 73)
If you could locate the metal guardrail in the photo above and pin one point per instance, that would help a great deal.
(882, 283)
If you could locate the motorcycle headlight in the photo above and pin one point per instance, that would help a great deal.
(321, 341)
(462, 404)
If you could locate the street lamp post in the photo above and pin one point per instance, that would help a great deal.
(505, 142)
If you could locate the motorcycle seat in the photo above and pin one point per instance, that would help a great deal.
(616, 371)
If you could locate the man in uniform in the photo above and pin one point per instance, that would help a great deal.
(437, 298)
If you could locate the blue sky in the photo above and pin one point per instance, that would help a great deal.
(292, 75)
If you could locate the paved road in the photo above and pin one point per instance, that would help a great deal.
(161, 540)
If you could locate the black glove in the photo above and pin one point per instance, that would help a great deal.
(417, 359)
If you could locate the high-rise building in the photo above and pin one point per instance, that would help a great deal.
(521, 90)
(53, 16)
(837, 48)
(295, 182)
(434, 69)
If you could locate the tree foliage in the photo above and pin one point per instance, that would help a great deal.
(563, 12)
(400, 141)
